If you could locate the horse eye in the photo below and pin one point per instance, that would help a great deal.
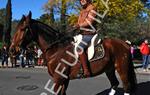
(26, 29)
(22, 29)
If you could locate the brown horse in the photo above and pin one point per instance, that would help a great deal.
(54, 46)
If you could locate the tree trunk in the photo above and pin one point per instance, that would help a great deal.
(1, 32)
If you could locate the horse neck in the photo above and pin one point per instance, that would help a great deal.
(42, 43)
(46, 35)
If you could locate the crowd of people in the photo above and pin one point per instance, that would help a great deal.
(30, 57)
(144, 50)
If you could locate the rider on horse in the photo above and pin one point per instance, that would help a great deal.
(83, 21)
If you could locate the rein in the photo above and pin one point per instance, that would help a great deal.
(55, 42)
(49, 46)
(72, 33)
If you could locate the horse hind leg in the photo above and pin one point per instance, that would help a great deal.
(113, 81)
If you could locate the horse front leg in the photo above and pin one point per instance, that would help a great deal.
(64, 87)
(11, 62)
(113, 80)
(61, 84)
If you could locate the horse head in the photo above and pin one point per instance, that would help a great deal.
(23, 35)
(29, 30)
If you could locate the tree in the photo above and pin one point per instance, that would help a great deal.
(14, 25)
(1, 32)
(2, 16)
(123, 19)
(49, 9)
(45, 18)
(7, 27)
(2, 21)
(120, 18)
(60, 9)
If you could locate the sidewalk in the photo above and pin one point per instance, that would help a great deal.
(137, 67)
(139, 70)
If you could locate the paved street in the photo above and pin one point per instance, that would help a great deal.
(31, 81)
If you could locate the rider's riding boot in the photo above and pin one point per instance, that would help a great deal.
(83, 59)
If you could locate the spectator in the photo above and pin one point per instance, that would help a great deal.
(132, 51)
(144, 49)
(131, 48)
(13, 56)
(29, 57)
(40, 60)
(21, 56)
(4, 56)
(149, 56)
(35, 53)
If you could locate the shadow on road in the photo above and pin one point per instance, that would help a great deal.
(142, 89)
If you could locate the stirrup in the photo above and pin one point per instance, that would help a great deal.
(81, 76)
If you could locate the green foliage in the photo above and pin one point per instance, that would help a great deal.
(124, 19)
(2, 22)
(1, 44)
(7, 27)
(60, 9)
(120, 8)
(2, 16)
(45, 18)
(14, 25)
(72, 19)
(121, 19)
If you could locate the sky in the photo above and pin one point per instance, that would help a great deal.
(20, 7)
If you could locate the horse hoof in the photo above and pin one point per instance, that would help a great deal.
(126, 94)
(112, 92)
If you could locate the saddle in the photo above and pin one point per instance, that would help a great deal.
(95, 49)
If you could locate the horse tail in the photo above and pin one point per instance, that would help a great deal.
(131, 75)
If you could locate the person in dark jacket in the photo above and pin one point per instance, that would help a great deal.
(21, 57)
(5, 56)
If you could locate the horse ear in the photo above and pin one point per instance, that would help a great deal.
(28, 18)
(30, 15)
(23, 16)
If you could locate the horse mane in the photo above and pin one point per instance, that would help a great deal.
(47, 27)
(60, 39)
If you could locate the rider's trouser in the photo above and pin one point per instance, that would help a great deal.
(82, 55)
